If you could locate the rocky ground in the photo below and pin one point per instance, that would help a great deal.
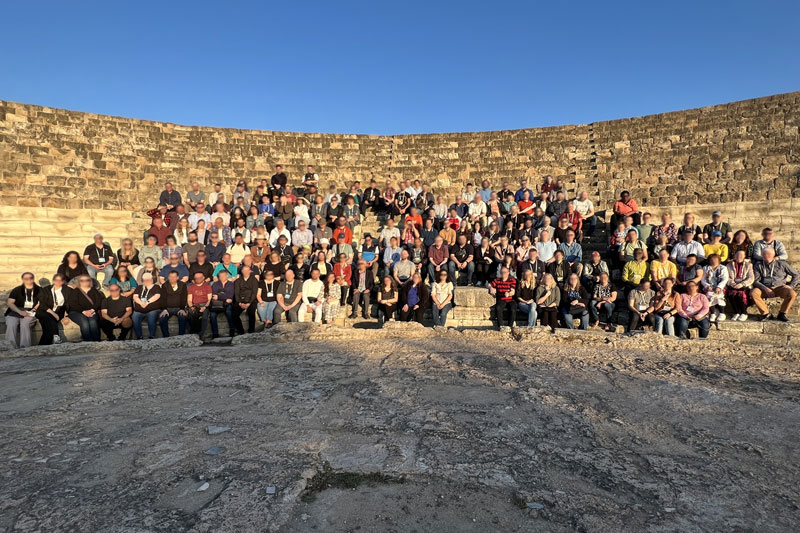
(321, 428)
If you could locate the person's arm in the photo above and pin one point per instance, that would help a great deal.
(699, 278)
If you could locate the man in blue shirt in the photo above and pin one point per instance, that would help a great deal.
(486, 191)
(523, 186)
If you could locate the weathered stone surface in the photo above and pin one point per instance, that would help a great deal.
(473, 297)
(70, 348)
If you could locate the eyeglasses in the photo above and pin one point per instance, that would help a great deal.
(27, 278)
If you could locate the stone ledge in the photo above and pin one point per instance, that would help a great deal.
(70, 348)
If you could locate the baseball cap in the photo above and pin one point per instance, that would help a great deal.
(716, 214)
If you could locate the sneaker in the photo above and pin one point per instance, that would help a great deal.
(765, 317)
(735, 317)
(743, 317)
(721, 317)
(782, 317)
(56, 339)
(353, 316)
(714, 315)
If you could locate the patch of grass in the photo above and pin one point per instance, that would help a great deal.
(328, 478)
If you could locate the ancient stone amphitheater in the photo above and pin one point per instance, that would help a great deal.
(65, 174)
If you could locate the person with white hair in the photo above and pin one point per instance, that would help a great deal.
(98, 257)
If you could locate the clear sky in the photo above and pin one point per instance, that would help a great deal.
(395, 67)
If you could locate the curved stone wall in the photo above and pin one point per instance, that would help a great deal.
(742, 157)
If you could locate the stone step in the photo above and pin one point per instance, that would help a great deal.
(25, 228)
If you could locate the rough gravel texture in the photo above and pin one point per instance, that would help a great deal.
(365, 430)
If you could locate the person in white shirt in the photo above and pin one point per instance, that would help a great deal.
(546, 247)
(279, 229)
(686, 247)
(313, 297)
(715, 279)
(302, 236)
(238, 249)
(199, 214)
(386, 234)
(477, 210)
(585, 207)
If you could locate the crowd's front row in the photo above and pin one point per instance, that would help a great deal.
(668, 305)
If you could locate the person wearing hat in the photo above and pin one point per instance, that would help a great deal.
(687, 246)
(98, 257)
(715, 246)
(717, 225)
(342, 247)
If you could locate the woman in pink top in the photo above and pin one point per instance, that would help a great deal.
(694, 312)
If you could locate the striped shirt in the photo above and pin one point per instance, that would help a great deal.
(503, 288)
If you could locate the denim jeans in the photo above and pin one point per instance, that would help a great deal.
(213, 319)
(682, 326)
(440, 315)
(569, 318)
(594, 312)
(665, 325)
(432, 271)
(152, 319)
(530, 311)
(107, 271)
(455, 272)
(90, 326)
(266, 310)
(164, 321)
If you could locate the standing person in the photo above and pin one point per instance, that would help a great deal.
(715, 279)
(362, 282)
(388, 297)
(173, 303)
(146, 305)
(98, 257)
(693, 313)
(574, 303)
(198, 300)
(666, 307)
(772, 281)
(640, 306)
(331, 295)
(604, 297)
(245, 291)
(83, 308)
(548, 299)
(222, 294)
(267, 297)
(115, 313)
(289, 297)
(414, 299)
(313, 296)
(740, 283)
(526, 300)
(52, 310)
(344, 275)
(504, 289)
(23, 304)
(441, 299)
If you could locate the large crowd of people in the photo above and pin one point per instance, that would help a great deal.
(293, 252)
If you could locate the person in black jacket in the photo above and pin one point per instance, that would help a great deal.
(414, 299)
(23, 303)
(115, 312)
(52, 309)
(574, 303)
(362, 282)
(370, 198)
(173, 302)
(245, 292)
(83, 308)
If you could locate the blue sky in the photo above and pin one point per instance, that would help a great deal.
(395, 67)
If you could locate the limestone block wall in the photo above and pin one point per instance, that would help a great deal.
(742, 157)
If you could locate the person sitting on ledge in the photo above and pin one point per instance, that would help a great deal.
(686, 247)
(146, 305)
(160, 232)
(52, 310)
(170, 197)
(115, 313)
(174, 265)
(641, 302)
(715, 278)
(98, 257)
(414, 299)
(717, 225)
(774, 278)
(625, 206)
(72, 268)
(768, 240)
(693, 313)
(574, 303)
(740, 283)
(22, 306)
(83, 308)
(715, 246)
(173, 303)
(462, 257)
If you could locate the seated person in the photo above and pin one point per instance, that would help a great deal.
(690, 271)
(23, 303)
(462, 257)
(98, 257)
(774, 278)
(687, 246)
(174, 265)
(636, 271)
(173, 303)
(83, 308)
(715, 246)
(717, 225)
(693, 313)
(198, 301)
(625, 206)
(115, 313)
(641, 302)
(574, 303)
(146, 305)
(289, 298)
(604, 298)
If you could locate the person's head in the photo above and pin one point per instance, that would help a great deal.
(544, 236)
(570, 236)
(714, 260)
(691, 288)
(573, 281)
(549, 281)
(691, 260)
(768, 254)
(198, 278)
(739, 256)
(570, 208)
(171, 242)
(716, 237)
(168, 186)
(666, 219)
(628, 221)
(158, 222)
(688, 235)
(663, 255)
(527, 277)
(646, 218)
(667, 285)
(558, 255)
(59, 280)
(180, 209)
(28, 279)
(192, 235)
(741, 237)
(71, 258)
(604, 278)
(149, 263)
(245, 271)
(299, 258)
(560, 195)
(525, 241)
(390, 223)
(716, 217)
(174, 259)
(98, 240)
(638, 255)
(644, 285)
(340, 239)
(526, 195)
(404, 254)
(768, 234)
(280, 224)
(275, 258)
(114, 290)
(172, 277)
(533, 254)
(508, 259)
(416, 279)
(147, 279)
(213, 237)
(563, 222)
(393, 242)
(625, 196)
(342, 258)
(324, 243)
(226, 258)
(438, 241)
(223, 276)
(387, 281)
(122, 273)
(282, 241)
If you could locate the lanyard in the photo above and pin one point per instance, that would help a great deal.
(101, 254)
(145, 293)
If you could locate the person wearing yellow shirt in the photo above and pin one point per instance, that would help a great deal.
(716, 246)
(661, 269)
(636, 271)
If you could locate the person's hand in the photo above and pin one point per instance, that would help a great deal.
(164, 313)
(228, 301)
(512, 292)
(574, 302)
(65, 320)
(309, 309)
(405, 308)
(88, 312)
(718, 290)
(416, 307)
(182, 312)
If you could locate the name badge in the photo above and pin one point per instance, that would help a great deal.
(144, 301)
(269, 294)
(690, 309)
(642, 307)
(28, 304)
